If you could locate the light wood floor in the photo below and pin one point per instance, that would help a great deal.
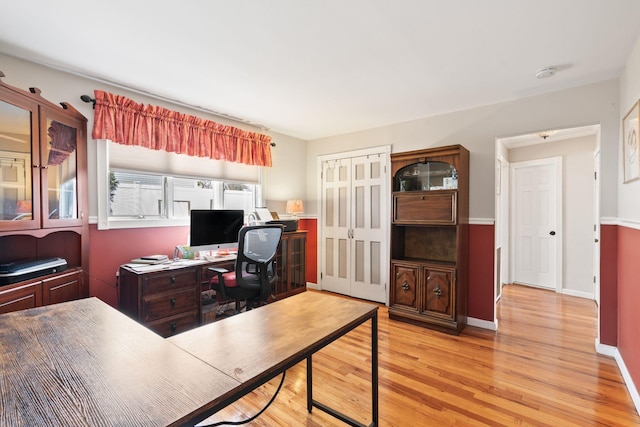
(539, 369)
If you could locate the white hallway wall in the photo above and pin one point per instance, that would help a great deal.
(629, 194)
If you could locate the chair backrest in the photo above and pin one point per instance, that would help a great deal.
(257, 248)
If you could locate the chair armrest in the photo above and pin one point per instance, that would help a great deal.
(218, 270)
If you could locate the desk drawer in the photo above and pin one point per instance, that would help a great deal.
(175, 324)
(168, 304)
(168, 281)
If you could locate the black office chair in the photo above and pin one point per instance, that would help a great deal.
(255, 271)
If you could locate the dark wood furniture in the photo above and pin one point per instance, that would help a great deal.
(429, 237)
(290, 264)
(43, 196)
(167, 298)
(83, 363)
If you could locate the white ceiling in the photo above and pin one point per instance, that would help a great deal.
(316, 68)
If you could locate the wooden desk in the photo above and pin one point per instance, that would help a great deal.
(83, 363)
(167, 298)
(260, 344)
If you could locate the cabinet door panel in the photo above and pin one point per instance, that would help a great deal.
(425, 208)
(57, 289)
(21, 298)
(439, 289)
(61, 149)
(19, 175)
(404, 288)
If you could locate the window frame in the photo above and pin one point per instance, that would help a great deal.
(107, 222)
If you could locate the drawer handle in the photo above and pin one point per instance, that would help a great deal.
(172, 301)
(173, 327)
(173, 279)
(438, 292)
(405, 286)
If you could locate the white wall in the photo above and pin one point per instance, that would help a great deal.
(478, 128)
(629, 194)
(577, 208)
(285, 180)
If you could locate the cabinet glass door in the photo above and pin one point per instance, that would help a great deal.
(59, 171)
(427, 176)
(17, 208)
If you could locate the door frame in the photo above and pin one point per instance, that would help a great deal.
(559, 240)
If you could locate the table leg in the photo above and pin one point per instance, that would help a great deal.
(374, 370)
(374, 384)
(309, 385)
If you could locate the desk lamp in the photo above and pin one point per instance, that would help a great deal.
(294, 207)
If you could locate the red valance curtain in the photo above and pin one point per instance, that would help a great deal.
(121, 120)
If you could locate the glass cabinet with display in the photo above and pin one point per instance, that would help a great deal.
(43, 195)
(427, 176)
(39, 153)
(429, 234)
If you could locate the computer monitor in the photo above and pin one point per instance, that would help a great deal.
(214, 229)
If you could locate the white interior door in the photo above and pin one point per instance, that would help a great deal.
(354, 225)
(537, 234)
(335, 229)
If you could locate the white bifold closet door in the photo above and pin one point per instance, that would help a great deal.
(354, 226)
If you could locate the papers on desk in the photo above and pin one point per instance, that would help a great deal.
(151, 259)
(143, 268)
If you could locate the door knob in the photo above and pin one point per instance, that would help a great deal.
(553, 233)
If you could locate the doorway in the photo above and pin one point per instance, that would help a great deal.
(576, 269)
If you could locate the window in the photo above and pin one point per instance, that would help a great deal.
(162, 192)
(137, 195)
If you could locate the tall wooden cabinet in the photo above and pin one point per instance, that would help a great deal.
(43, 196)
(290, 264)
(429, 237)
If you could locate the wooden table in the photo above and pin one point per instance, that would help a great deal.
(260, 344)
(83, 363)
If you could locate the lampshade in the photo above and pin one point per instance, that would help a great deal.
(294, 207)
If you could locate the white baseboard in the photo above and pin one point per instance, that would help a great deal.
(484, 324)
(628, 381)
(580, 294)
(313, 286)
(607, 350)
(612, 351)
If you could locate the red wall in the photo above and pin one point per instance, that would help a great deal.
(619, 269)
(480, 299)
(629, 300)
(609, 285)
(111, 248)
(311, 270)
